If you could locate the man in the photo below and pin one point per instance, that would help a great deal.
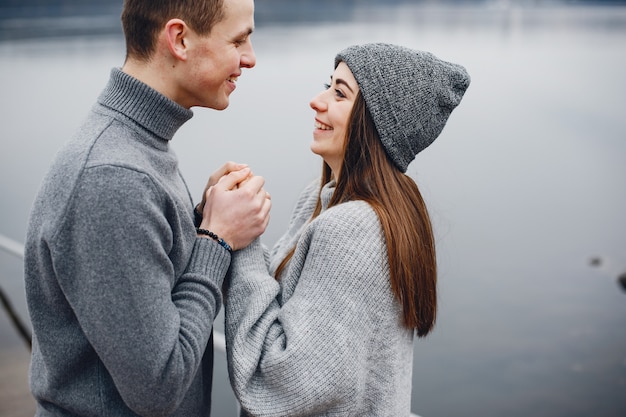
(122, 288)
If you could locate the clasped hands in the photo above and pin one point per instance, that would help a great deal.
(234, 205)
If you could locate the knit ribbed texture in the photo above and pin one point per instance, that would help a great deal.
(144, 105)
(410, 94)
(328, 338)
(121, 293)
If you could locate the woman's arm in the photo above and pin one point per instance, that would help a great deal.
(308, 354)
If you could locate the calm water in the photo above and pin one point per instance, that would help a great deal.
(526, 185)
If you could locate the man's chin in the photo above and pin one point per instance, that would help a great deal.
(222, 105)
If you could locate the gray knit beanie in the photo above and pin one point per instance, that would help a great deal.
(409, 94)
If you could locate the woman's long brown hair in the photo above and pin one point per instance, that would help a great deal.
(368, 174)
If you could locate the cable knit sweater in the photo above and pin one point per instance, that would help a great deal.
(121, 293)
(327, 339)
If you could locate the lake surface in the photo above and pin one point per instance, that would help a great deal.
(526, 185)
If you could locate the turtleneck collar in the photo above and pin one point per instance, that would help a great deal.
(327, 193)
(144, 105)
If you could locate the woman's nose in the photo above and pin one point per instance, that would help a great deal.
(317, 103)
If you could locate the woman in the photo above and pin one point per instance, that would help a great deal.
(326, 328)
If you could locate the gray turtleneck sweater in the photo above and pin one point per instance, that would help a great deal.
(121, 293)
(327, 339)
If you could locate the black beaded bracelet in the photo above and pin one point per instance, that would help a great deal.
(212, 235)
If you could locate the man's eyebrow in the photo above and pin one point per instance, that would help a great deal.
(342, 82)
(243, 34)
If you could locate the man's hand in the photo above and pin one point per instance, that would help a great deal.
(236, 206)
(225, 169)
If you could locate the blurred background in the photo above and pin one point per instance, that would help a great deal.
(526, 185)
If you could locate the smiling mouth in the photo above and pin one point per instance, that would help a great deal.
(322, 126)
(233, 79)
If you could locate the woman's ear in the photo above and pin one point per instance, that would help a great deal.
(176, 32)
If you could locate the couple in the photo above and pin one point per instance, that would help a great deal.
(125, 275)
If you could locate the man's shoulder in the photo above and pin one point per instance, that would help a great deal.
(100, 141)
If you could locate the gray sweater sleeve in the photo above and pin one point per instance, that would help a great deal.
(148, 323)
(299, 348)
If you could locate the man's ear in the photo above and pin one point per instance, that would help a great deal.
(176, 32)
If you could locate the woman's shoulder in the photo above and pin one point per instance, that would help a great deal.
(352, 217)
(355, 209)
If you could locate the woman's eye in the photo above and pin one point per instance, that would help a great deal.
(338, 92)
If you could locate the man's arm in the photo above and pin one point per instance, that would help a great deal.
(148, 317)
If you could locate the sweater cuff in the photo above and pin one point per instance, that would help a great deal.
(209, 259)
(250, 259)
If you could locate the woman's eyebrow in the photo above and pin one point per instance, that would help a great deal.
(343, 82)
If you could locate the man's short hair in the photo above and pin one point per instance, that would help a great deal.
(142, 20)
